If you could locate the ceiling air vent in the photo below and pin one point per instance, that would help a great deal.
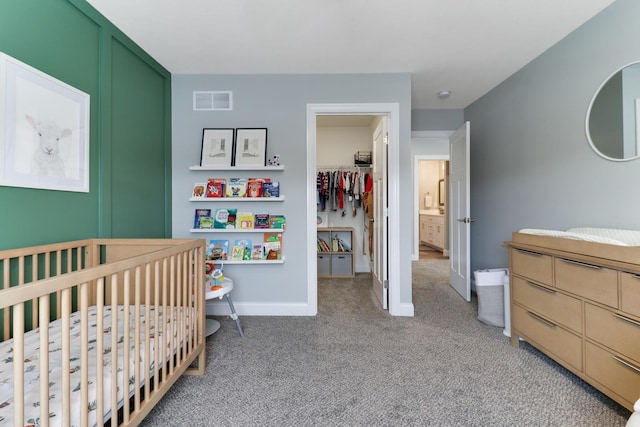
(213, 101)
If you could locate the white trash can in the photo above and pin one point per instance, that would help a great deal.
(507, 305)
(491, 299)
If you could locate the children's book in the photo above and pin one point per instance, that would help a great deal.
(200, 213)
(277, 221)
(244, 220)
(236, 187)
(271, 189)
(206, 222)
(261, 220)
(254, 186)
(224, 218)
(257, 252)
(215, 187)
(272, 246)
(241, 250)
(199, 190)
(217, 250)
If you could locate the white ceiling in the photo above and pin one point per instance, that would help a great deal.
(465, 46)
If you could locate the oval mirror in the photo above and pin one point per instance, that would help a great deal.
(613, 116)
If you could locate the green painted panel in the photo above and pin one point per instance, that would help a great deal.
(138, 147)
(57, 39)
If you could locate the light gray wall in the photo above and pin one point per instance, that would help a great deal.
(531, 165)
(450, 119)
(279, 102)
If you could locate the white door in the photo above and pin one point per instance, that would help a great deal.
(379, 227)
(459, 212)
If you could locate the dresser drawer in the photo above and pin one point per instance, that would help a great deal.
(613, 372)
(630, 289)
(561, 343)
(617, 332)
(548, 302)
(532, 265)
(589, 281)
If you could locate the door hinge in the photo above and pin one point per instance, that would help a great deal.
(385, 284)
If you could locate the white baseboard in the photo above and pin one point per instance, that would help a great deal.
(221, 308)
(404, 309)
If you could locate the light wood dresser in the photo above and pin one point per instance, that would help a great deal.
(579, 303)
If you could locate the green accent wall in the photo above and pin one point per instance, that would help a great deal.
(130, 127)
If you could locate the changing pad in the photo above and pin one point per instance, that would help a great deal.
(610, 236)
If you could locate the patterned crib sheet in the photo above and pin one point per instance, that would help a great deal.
(32, 368)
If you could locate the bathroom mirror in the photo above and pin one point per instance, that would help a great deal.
(613, 116)
(441, 192)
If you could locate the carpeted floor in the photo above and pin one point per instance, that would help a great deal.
(355, 365)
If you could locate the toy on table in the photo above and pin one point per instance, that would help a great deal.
(217, 277)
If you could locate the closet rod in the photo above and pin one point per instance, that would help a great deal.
(342, 167)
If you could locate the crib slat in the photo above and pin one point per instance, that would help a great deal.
(158, 336)
(99, 294)
(84, 354)
(164, 325)
(136, 341)
(65, 296)
(148, 357)
(6, 333)
(44, 360)
(114, 345)
(172, 303)
(18, 365)
(126, 343)
(34, 301)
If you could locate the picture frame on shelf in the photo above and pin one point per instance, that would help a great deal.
(217, 147)
(250, 147)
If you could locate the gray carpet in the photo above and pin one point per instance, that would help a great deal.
(355, 365)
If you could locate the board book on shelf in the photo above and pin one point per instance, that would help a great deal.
(254, 186)
(277, 221)
(241, 250)
(236, 187)
(199, 214)
(261, 220)
(199, 190)
(272, 246)
(244, 220)
(217, 250)
(271, 189)
(257, 252)
(225, 218)
(215, 187)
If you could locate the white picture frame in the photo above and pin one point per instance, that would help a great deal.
(217, 147)
(44, 130)
(251, 147)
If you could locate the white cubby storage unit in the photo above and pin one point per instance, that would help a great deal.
(215, 200)
(338, 260)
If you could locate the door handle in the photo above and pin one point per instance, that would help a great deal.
(465, 220)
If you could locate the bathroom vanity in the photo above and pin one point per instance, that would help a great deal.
(432, 229)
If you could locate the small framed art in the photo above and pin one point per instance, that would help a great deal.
(217, 147)
(251, 147)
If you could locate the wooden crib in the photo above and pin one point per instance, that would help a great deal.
(96, 331)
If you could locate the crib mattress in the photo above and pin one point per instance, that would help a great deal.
(32, 368)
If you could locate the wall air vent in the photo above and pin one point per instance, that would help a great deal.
(213, 101)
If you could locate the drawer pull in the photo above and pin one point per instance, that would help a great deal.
(529, 252)
(581, 264)
(627, 364)
(542, 288)
(626, 319)
(540, 319)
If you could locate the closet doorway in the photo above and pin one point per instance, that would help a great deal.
(390, 228)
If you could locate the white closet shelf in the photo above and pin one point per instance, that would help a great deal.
(237, 199)
(237, 168)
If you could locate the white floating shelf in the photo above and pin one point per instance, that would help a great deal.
(237, 230)
(262, 261)
(236, 168)
(237, 199)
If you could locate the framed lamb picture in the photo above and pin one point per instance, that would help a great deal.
(217, 147)
(251, 147)
(44, 130)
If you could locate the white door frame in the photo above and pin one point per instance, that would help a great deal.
(393, 111)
